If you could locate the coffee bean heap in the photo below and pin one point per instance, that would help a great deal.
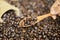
(47, 29)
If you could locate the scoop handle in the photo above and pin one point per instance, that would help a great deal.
(39, 18)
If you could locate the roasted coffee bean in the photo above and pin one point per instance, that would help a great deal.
(47, 29)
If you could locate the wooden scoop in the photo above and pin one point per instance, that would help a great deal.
(39, 18)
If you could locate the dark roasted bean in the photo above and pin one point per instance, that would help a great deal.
(47, 29)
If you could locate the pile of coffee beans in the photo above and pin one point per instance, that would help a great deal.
(47, 29)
